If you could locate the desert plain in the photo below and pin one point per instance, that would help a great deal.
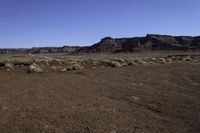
(100, 93)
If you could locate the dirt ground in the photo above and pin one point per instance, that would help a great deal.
(133, 99)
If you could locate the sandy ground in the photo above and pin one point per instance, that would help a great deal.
(133, 99)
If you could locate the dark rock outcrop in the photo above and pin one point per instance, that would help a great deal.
(148, 43)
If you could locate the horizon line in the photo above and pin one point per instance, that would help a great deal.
(87, 45)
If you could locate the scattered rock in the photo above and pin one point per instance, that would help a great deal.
(59, 64)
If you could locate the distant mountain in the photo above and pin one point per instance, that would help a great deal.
(150, 42)
(64, 49)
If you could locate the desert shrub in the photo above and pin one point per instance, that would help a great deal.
(8, 66)
(34, 68)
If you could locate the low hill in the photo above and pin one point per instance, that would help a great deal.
(64, 49)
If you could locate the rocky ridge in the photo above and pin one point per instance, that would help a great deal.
(150, 42)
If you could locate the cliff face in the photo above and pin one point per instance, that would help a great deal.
(150, 42)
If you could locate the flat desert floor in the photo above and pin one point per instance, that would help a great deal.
(133, 99)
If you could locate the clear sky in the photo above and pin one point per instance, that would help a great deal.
(28, 23)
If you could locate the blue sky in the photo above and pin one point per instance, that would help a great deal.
(29, 23)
